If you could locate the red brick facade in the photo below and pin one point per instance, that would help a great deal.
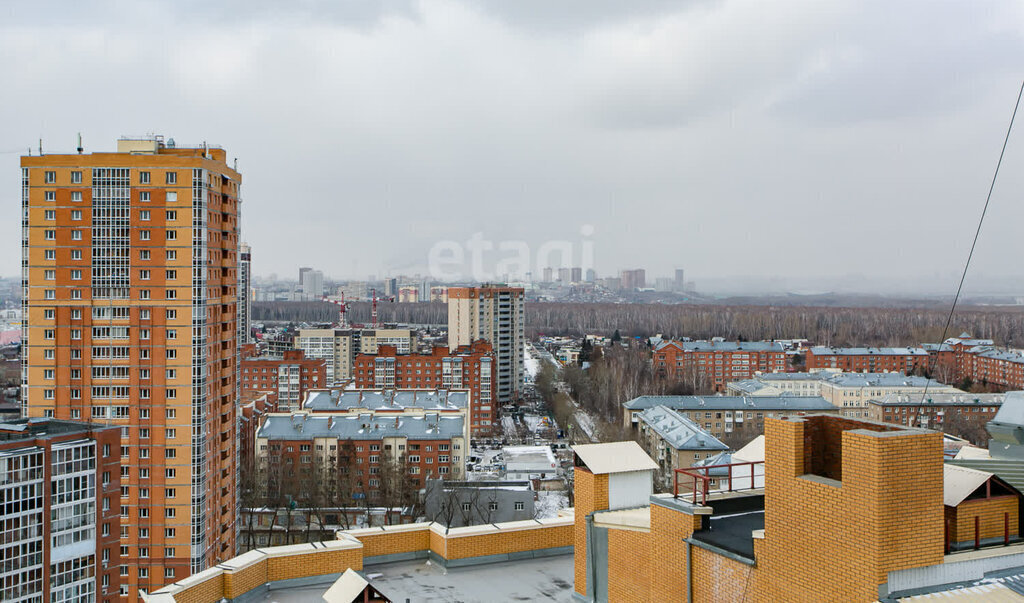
(261, 374)
(710, 365)
(867, 360)
(440, 369)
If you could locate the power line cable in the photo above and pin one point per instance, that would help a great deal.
(977, 233)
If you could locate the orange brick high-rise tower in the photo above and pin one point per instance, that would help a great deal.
(129, 267)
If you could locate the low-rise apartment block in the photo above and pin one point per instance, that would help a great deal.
(710, 365)
(780, 384)
(675, 442)
(366, 447)
(470, 367)
(60, 485)
(736, 418)
(456, 504)
(936, 410)
(850, 392)
(867, 360)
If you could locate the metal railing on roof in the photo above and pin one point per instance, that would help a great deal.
(699, 480)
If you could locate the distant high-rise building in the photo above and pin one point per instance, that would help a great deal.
(391, 287)
(548, 274)
(591, 275)
(493, 313)
(312, 283)
(576, 275)
(633, 279)
(564, 275)
(244, 294)
(130, 288)
(664, 284)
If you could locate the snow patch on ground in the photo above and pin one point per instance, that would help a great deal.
(585, 422)
(531, 364)
(549, 503)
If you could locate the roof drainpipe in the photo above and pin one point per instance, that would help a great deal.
(689, 572)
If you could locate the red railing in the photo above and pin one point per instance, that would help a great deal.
(699, 478)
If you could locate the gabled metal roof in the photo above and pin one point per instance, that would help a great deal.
(958, 483)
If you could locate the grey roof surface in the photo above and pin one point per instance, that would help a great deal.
(827, 351)
(41, 427)
(544, 579)
(788, 402)
(816, 376)
(321, 400)
(881, 380)
(724, 346)
(359, 427)
(749, 386)
(941, 399)
(993, 353)
(1012, 412)
(722, 458)
(678, 431)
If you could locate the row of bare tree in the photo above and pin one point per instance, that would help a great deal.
(334, 484)
(821, 325)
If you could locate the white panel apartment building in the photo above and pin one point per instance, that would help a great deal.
(493, 313)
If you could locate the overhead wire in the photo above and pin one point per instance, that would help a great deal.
(977, 233)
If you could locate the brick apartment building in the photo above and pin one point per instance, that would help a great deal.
(936, 410)
(130, 304)
(850, 511)
(867, 360)
(710, 365)
(993, 367)
(289, 376)
(470, 367)
(60, 485)
(252, 408)
(977, 360)
(424, 446)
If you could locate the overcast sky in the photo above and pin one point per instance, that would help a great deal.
(728, 138)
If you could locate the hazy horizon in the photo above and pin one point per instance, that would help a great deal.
(727, 138)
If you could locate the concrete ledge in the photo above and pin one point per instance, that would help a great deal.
(824, 481)
(395, 557)
(502, 557)
(678, 504)
(304, 581)
(719, 551)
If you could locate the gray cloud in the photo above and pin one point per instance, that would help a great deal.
(730, 138)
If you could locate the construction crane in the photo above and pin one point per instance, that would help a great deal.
(373, 308)
(342, 307)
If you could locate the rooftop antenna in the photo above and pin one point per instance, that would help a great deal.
(79, 143)
(40, 147)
